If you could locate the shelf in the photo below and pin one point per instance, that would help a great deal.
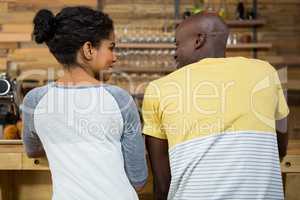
(246, 46)
(240, 23)
(8, 142)
(245, 23)
(142, 70)
(293, 85)
(172, 46)
(145, 46)
(289, 61)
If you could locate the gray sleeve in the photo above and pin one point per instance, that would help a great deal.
(31, 140)
(132, 141)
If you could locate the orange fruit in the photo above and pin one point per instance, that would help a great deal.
(10, 132)
(20, 128)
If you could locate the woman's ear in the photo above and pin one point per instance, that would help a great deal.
(200, 40)
(87, 50)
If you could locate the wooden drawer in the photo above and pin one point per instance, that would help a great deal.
(10, 161)
(34, 163)
(291, 163)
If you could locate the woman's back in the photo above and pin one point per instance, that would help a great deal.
(82, 130)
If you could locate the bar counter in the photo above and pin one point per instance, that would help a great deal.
(22, 178)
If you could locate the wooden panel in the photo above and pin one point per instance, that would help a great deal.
(54, 3)
(32, 54)
(15, 37)
(294, 73)
(6, 185)
(290, 61)
(292, 191)
(16, 17)
(294, 147)
(31, 58)
(12, 143)
(31, 185)
(10, 161)
(34, 164)
(3, 64)
(39, 75)
(38, 51)
(291, 163)
(17, 28)
(50, 64)
(8, 45)
(293, 85)
(9, 148)
(3, 7)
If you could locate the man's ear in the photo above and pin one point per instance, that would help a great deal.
(200, 40)
(87, 50)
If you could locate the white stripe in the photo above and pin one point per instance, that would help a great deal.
(225, 140)
(239, 152)
(188, 142)
(228, 159)
(236, 161)
(223, 177)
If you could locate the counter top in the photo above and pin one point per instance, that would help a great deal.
(13, 157)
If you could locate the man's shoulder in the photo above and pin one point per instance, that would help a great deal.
(176, 76)
(261, 65)
(160, 83)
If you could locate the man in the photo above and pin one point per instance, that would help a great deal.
(210, 125)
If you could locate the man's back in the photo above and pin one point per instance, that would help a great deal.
(218, 116)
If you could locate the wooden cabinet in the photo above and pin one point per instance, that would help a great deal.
(34, 164)
(291, 168)
(10, 161)
(23, 178)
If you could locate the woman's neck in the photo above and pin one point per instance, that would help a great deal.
(77, 76)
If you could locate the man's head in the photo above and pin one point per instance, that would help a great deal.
(200, 36)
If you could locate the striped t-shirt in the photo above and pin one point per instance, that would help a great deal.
(92, 139)
(218, 116)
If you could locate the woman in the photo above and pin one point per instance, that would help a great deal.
(89, 131)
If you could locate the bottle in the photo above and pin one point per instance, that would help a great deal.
(251, 14)
(209, 7)
(223, 9)
(240, 10)
(198, 6)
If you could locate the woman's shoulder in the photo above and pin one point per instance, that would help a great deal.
(36, 92)
(32, 98)
(122, 97)
(117, 92)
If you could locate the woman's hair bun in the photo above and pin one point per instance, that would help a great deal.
(44, 26)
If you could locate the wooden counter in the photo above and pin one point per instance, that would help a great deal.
(22, 178)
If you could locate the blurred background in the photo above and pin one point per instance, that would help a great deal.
(264, 29)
